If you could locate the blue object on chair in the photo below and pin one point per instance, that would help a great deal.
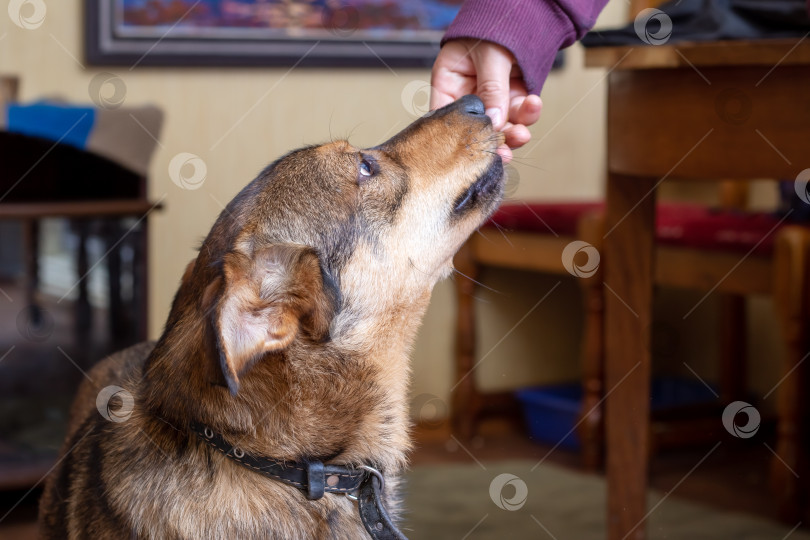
(66, 124)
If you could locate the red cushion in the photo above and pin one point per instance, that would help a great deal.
(722, 230)
(549, 218)
(686, 225)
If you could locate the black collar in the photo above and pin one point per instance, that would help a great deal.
(364, 483)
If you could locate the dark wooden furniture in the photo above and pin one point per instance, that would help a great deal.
(43, 179)
(668, 119)
(696, 246)
(529, 237)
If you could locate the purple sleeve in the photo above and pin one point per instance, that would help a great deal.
(533, 30)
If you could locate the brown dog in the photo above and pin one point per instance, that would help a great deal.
(282, 373)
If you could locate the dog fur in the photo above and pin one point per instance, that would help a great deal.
(290, 335)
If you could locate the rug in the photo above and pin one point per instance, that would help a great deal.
(507, 501)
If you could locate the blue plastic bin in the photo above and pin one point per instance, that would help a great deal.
(552, 412)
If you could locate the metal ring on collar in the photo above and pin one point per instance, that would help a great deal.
(376, 473)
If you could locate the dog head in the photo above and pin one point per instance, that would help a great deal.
(339, 243)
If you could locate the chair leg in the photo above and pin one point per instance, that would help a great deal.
(466, 404)
(733, 372)
(792, 301)
(591, 428)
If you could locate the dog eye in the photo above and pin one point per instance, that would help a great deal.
(366, 168)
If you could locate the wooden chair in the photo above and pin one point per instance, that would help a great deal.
(532, 238)
(734, 254)
(696, 245)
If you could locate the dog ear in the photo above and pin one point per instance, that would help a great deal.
(267, 300)
(188, 271)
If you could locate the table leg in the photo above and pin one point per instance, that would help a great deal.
(628, 266)
(792, 303)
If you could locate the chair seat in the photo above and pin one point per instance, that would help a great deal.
(546, 218)
(683, 225)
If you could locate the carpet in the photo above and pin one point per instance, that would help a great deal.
(459, 502)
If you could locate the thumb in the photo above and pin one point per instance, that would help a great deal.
(493, 71)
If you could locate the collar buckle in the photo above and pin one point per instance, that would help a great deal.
(375, 473)
(316, 481)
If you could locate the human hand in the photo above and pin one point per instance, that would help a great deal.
(472, 66)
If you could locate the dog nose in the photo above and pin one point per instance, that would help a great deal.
(471, 104)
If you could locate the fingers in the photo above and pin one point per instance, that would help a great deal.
(470, 66)
(439, 99)
(494, 67)
(523, 112)
(453, 74)
(505, 152)
(442, 87)
(516, 135)
(525, 109)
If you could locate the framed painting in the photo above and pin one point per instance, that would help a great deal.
(317, 33)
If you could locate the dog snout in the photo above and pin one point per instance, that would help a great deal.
(470, 104)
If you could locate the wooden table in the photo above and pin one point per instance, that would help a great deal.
(707, 111)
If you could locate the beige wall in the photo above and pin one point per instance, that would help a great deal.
(262, 113)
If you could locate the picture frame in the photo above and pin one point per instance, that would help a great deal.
(293, 33)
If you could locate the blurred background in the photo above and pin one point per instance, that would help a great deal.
(86, 292)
